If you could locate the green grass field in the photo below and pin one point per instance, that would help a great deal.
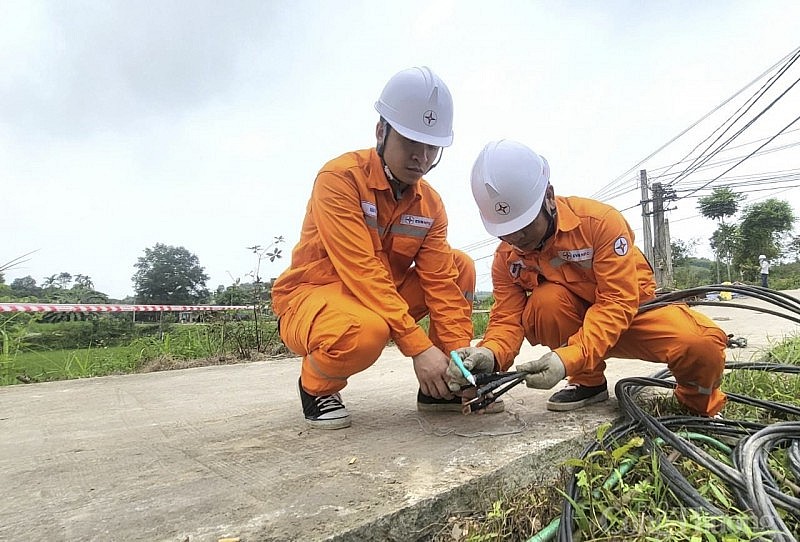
(64, 364)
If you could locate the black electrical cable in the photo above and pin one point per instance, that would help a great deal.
(748, 473)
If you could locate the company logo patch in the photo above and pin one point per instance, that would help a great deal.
(369, 209)
(502, 208)
(429, 117)
(621, 246)
(576, 255)
(418, 221)
(515, 268)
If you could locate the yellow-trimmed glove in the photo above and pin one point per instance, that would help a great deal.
(476, 359)
(544, 373)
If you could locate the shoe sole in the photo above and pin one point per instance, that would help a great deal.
(564, 407)
(337, 423)
(494, 408)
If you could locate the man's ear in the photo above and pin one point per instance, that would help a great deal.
(550, 198)
(380, 132)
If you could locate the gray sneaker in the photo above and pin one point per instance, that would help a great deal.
(324, 411)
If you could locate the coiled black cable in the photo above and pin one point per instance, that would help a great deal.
(749, 477)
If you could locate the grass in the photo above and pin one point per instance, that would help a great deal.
(76, 363)
(639, 507)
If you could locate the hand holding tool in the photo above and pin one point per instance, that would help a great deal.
(463, 370)
(474, 359)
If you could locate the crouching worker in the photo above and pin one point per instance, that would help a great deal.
(567, 275)
(373, 259)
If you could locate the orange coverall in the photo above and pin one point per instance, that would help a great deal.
(366, 269)
(579, 295)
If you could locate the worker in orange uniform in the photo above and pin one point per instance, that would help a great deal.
(373, 259)
(567, 275)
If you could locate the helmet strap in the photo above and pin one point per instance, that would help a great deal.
(551, 225)
(382, 144)
(438, 159)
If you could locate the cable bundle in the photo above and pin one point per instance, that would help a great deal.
(748, 475)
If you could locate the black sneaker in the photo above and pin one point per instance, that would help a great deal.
(325, 411)
(426, 403)
(575, 396)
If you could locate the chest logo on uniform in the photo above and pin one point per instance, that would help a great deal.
(418, 221)
(576, 255)
(369, 209)
(515, 268)
(621, 246)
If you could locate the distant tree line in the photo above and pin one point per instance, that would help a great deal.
(168, 275)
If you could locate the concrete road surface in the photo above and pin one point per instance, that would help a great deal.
(203, 454)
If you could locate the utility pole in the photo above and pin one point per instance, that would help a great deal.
(659, 262)
(669, 281)
(662, 251)
(646, 220)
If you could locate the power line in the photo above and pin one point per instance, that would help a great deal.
(755, 98)
(615, 183)
(719, 163)
(745, 158)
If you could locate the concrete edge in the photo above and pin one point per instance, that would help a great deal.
(418, 521)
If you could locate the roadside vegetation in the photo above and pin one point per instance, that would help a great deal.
(623, 493)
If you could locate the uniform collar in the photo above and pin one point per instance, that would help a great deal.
(566, 220)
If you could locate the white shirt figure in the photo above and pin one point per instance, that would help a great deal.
(764, 264)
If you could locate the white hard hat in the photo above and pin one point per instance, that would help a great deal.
(762, 257)
(509, 182)
(417, 104)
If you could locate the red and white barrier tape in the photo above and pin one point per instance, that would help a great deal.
(68, 307)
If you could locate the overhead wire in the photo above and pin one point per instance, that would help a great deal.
(711, 165)
(600, 193)
(743, 109)
(746, 157)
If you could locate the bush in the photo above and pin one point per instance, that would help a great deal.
(105, 330)
(785, 277)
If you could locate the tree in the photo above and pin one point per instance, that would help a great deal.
(681, 251)
(170, 275)
(723, 243)
(25, 287)
(793, 248)
(720, 204)
(235, 294)
(762, 230)
(50, 282)
(84, 281)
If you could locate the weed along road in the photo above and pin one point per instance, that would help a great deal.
(207, 453)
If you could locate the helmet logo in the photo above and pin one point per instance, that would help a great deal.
(429, 117)
(502, 208)
(621, 246)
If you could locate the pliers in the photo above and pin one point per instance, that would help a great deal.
(489, 387)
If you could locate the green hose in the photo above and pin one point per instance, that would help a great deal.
(548, 532)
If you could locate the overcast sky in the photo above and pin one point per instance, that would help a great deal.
(202, 124)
